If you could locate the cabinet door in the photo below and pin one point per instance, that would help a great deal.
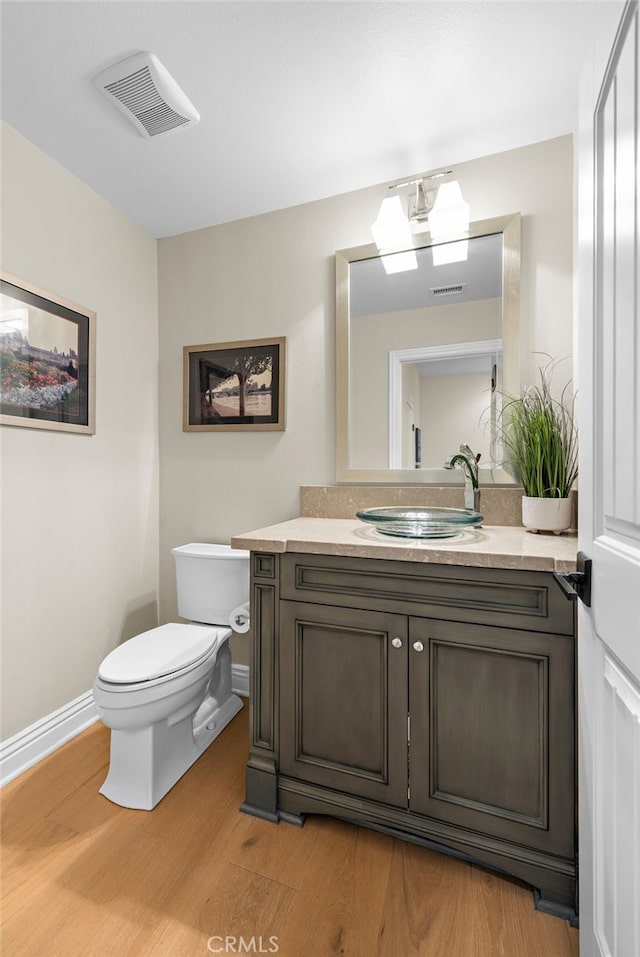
(343, 700)
(492, 731)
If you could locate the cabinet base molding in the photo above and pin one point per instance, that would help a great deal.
(297, 820)
(261, 798)
(255, 811)
(553, 881)
(556, 910)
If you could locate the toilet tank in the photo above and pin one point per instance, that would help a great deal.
(212, 581)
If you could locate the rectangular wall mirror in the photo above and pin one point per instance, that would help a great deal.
(425, 355)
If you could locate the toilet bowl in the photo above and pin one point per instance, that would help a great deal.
(166, 694)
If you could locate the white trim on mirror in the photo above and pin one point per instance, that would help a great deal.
(400, 357)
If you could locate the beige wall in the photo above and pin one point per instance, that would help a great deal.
(69, 598)
(79, 513)
(273, 275)
(463, 404)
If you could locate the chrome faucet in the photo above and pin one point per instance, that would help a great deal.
(468, 462)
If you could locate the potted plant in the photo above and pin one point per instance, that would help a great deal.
(540, 441)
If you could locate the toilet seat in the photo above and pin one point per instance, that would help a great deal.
(160, 653)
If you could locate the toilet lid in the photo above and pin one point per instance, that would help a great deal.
(159, 652)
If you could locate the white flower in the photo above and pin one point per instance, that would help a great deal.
(45, 397)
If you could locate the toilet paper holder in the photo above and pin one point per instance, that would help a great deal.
(240, 619)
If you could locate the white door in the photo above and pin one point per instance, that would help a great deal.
(609, 390)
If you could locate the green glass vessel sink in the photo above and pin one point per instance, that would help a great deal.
(420, 522)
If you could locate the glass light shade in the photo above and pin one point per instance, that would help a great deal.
(444, 253)
(399, 262)
(450, 213)
(391, 229)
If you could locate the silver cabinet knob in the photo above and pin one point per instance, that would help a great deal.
(397, 642)
(418, 646)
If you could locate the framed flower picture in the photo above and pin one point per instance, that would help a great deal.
(47, 360)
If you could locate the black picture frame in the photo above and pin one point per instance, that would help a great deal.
(230, 386)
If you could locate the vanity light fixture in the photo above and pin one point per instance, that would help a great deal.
(438, 204)
(450, 214)
(392, 234)
(450, 252)
(399, 262)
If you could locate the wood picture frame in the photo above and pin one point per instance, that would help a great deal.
(47, 359)
(234, 386)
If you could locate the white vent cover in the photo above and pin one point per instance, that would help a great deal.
(454, 290)
(142, 89)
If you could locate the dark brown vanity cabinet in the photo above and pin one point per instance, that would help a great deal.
(432, 702)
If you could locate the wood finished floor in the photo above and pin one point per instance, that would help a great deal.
(82, 877)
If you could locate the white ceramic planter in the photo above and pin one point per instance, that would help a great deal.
(547, 514)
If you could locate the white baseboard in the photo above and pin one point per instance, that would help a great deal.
(23, 750)
(240, 680)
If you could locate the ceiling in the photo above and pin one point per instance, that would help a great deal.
(299, 100)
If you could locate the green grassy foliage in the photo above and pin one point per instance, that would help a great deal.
(540, 438)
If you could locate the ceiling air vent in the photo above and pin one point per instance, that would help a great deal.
(455, 290)
(142, 89)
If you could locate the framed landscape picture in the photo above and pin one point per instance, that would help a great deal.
(234, 385)
(47, 360)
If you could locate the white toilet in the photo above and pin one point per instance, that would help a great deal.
(166, 694)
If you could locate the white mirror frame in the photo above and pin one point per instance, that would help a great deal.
(509, 226)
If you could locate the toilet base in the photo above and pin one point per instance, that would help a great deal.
(147, 762)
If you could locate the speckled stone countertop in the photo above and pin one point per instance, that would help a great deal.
(491, 546)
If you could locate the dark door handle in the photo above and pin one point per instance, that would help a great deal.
(577, 584)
